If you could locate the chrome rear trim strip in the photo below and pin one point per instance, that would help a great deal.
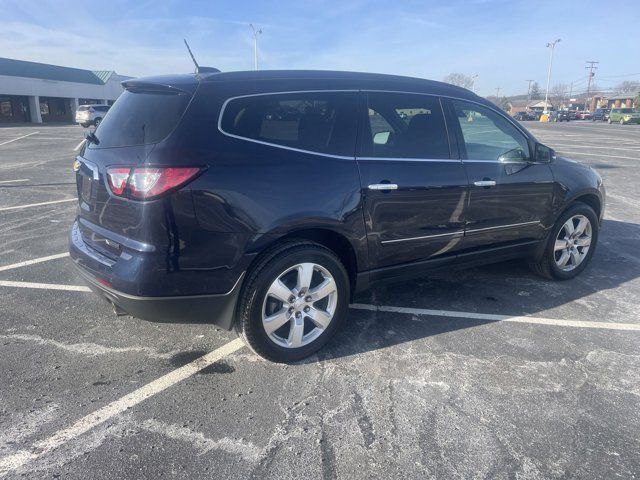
(457, 233)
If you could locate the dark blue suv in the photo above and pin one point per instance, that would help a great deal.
(263, 201)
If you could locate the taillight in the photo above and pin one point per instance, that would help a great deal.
(145, 183)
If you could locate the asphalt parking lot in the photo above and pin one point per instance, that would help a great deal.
(485, 373)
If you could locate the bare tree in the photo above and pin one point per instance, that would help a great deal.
(559, 93)
(535, 93)
(628, 86)
(459, 79)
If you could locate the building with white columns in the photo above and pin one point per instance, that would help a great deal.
(42, 93)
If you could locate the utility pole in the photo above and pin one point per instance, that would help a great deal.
(591, 68)
(255, 44)
(528, 93)
(546, 95)
(498, 93)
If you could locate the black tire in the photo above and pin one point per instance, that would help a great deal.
(248, 323)
(97, 122)
(547, 267)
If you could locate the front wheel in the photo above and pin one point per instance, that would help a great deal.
(293, 302)
(570, 244)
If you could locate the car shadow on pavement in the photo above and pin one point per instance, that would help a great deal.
(507, 289)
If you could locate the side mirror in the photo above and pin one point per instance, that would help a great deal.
(381, 138)
(543, 153)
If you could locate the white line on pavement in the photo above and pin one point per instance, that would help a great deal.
(32, 262)
(44, 286)
(19, 138)
(570, 145)
(15, 181)
(4, 209)
(22, 457)
(409, 311)
(499, 318)
(597, 155)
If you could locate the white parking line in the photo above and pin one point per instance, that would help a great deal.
(4, 209)
(44, 286)
(597, 154)
(19, 138)
(22, 457)
(15, 181)
(33, 262)
(499, 318)
(410, 311)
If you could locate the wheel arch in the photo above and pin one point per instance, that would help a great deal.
(335, 241)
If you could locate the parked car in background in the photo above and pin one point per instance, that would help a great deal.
(344, 192)
(559, 116)
(87, 115)
(624, 116)
(601, 114)
(586, 115)
(524, 116)
(535, 114)
(573, 115)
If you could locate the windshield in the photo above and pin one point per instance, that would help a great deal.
(140, 118)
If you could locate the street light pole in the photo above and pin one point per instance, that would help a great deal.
(473, 82)
(546, 95)
(255, 44)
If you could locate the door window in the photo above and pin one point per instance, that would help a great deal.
(403, 125)
(323, 122)
(489, 136)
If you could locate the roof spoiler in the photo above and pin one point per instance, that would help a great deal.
(168, 84)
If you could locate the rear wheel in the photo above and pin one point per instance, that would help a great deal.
(293, 302)
(570, 244)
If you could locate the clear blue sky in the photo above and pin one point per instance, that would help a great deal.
(503, 41)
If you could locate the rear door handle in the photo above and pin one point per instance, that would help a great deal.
(383, 186)
(485, 183)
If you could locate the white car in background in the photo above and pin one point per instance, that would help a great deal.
(91, 114)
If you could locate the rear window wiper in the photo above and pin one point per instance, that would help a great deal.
(91, 138)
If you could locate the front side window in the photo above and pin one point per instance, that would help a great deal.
(403, 125)
(488, 135)
(323, 122)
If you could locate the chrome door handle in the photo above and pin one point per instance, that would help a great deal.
(485, 183)
(383, 186)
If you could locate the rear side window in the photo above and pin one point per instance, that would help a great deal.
(402, 125)
(323, 122)
(140, 118)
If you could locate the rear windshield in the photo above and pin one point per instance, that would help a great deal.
(140, 118)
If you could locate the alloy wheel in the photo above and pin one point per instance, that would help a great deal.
(572, 242)
(299, 305)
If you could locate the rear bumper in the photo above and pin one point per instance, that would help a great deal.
(218, 309)
(108, 277)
